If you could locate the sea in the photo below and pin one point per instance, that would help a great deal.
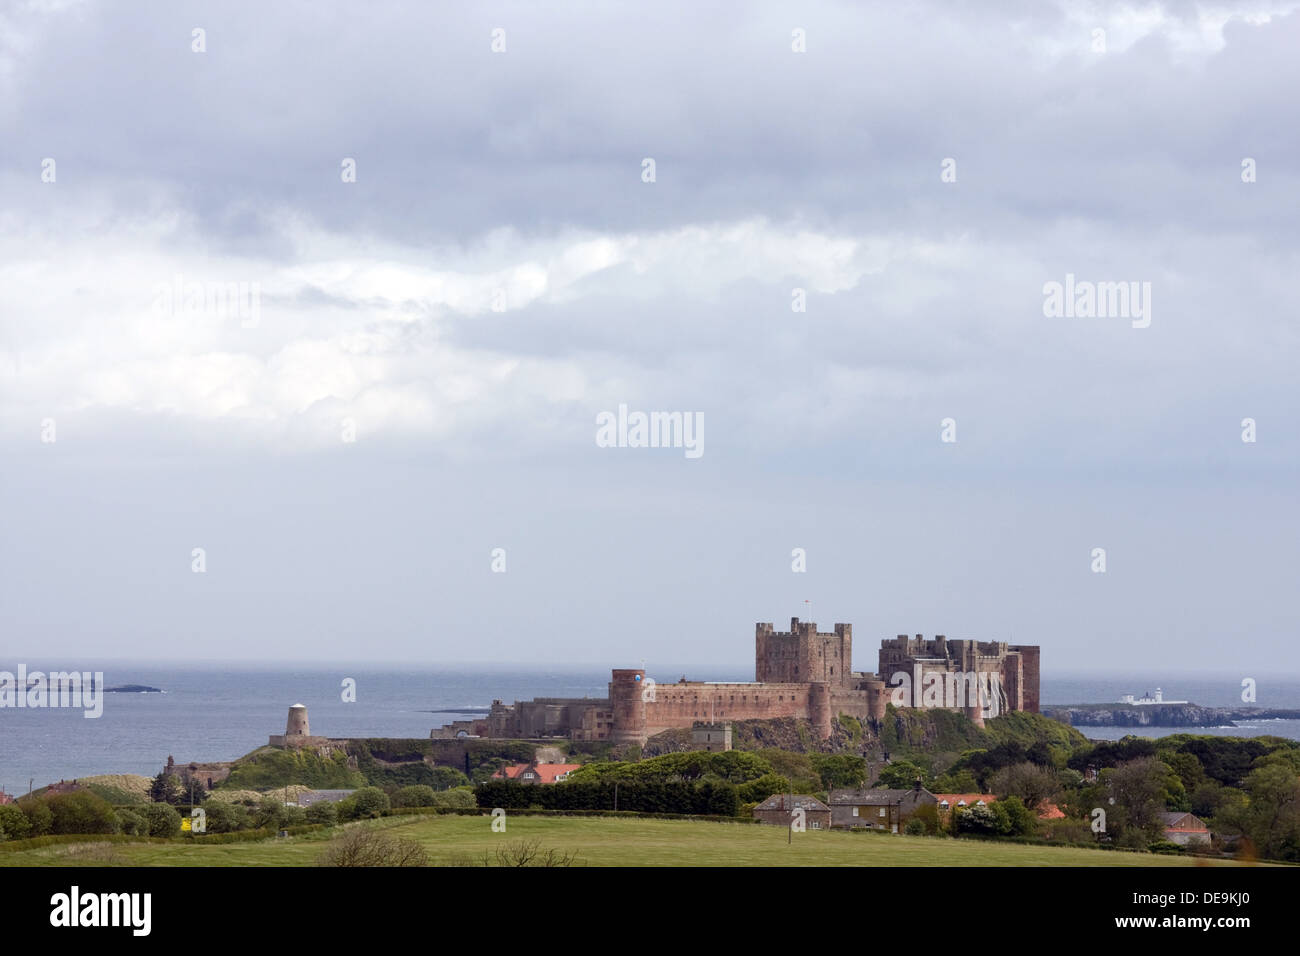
(210, 712)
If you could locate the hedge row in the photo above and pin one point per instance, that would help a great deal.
(647, 796)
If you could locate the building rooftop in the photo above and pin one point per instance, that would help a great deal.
(784, 801)
(844, 797)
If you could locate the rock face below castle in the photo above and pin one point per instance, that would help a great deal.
(802, 672)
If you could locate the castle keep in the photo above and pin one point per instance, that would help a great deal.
(802, 673)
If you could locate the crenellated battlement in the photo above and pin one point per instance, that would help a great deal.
(803, 673)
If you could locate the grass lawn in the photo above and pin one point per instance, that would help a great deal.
(605, 841)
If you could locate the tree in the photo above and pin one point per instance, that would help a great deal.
(364, 846)
(445, 778)
(960, 781)
(1272, 820)
(762, 788)
(900, 775)
(1021, 820)
(14, 824)
(1034, 784)
(1141, 790)
(162, 819)
(165, 788)
(529, 853)
(274, 814)
(223, 817)
(322, 812)
(839, 770)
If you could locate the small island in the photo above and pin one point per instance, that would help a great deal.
(1162, 715)
(133, 689)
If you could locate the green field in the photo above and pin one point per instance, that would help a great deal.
(605, 841)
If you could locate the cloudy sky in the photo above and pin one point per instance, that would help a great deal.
(417, 381)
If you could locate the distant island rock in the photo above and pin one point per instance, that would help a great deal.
(1162, 715)
(44, 681)
(133, 689)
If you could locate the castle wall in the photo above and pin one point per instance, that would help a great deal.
(800, 673)
(803, 654)
(681, 704)
(1029, 661)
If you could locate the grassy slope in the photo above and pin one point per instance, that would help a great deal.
(611, 842)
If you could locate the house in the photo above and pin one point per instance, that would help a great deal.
(779, 810)
(948, 802)
(877, 809)
(1050, 811)
(535, 772)
(5, 798)
(1186, 829)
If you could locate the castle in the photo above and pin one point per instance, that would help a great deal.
(802, 673)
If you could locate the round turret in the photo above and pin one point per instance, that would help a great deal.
(297, 725)
(627, 697)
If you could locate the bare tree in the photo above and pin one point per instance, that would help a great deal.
(366, 846)
(529, 853)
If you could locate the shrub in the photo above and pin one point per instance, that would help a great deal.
(14, 824)
(227, 817)
(647, 796)
(132, 823)
(364, 846)
(323, 812)
(161, 819)
(38, 815)
(529, 853)
(81, 812)
(914, 827)
(461, 797)
(1020, 819)
(415, 796)
(927, 814)
(366, 803)
(274, 814)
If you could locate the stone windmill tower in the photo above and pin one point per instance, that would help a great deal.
(297, 726)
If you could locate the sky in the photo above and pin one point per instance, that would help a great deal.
(457, 234)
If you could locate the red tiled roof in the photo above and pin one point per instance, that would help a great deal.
(549, 771)
(546, 772)
(1050, 811)
(954, 799)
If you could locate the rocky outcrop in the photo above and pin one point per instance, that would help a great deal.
(1161, 715)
